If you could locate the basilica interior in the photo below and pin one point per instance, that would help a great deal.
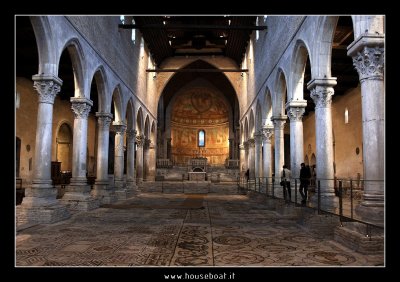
(161, 140)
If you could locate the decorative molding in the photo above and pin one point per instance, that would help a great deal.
(146, 144)
(251, 142)
(104, 120)
(47, 90)
(140, 140)
(322, 96)
(295, 113)
(131, 136)
(279, 122)
(81, 107)
(258, 138)
(267, 132)
(369, 63)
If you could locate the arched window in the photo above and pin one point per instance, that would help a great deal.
(346, 116)
(133, 32)
(202, 138)
(257, 31)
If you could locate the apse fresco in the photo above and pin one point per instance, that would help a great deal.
(194, 110)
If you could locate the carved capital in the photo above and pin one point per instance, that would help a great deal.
(81, 107)
(295, 113)
(246, 145)
(251, 142)
(119, 127)
(258, 138)
(146, 143)
(131, 136)
(369, 62)
(104, 120)
(279, 121)
(47, 87)
(322, 96)
(267, 132)
(140, 140)
(241, 147)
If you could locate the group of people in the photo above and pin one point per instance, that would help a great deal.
(305, 176)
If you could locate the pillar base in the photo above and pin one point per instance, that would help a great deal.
(77, 197)
(132, 189)
(103, 193)
(371, 214)
(355, 236)
(50, 213)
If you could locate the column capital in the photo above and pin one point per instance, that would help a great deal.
(258, 138)
(322, 91)
(241, 147)
(47, 87)
(104, 119)
(251, 142)
(140, 140)
(267, 132)
(81, 107)
(119, 127)
(368, 55)
(131, 135)
(279, 121)
(146, 143)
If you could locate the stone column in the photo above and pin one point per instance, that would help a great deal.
(151, 175)
(279, 125)
(231, 147)
(368, 58)
(102, 191)
(40, 204)
(236, 155)
(77, 194)
(169, 149)
(130, 162)
(146, 153)
(119, 182)
(242, 156)
(321, 93)
(258, 155)
(139, 158)
(295, 110)
(267, 131)
(251, 144)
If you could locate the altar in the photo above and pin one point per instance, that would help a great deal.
(197, 176)
(198, 169)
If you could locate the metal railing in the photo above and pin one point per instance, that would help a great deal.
(338, 197)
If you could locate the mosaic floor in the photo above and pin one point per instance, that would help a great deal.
(156, 229)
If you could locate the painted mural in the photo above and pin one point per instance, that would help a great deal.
(194, 110)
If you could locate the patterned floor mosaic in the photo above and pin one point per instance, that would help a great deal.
(155, 229)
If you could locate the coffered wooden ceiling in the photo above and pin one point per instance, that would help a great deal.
(196, 35)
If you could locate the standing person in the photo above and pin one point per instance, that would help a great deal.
(305, 175)
(247, 175)
(285, 177)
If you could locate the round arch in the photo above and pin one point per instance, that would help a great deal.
(75, 52)
(299, 60)
(43, 35)
(139, 121)
(117, 100)
(267, 107)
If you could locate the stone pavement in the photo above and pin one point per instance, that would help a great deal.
(160, 229)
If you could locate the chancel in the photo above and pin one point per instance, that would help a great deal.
(161, 140)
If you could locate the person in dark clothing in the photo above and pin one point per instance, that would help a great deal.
(305, 175)
(247, 175)
(285, 177)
